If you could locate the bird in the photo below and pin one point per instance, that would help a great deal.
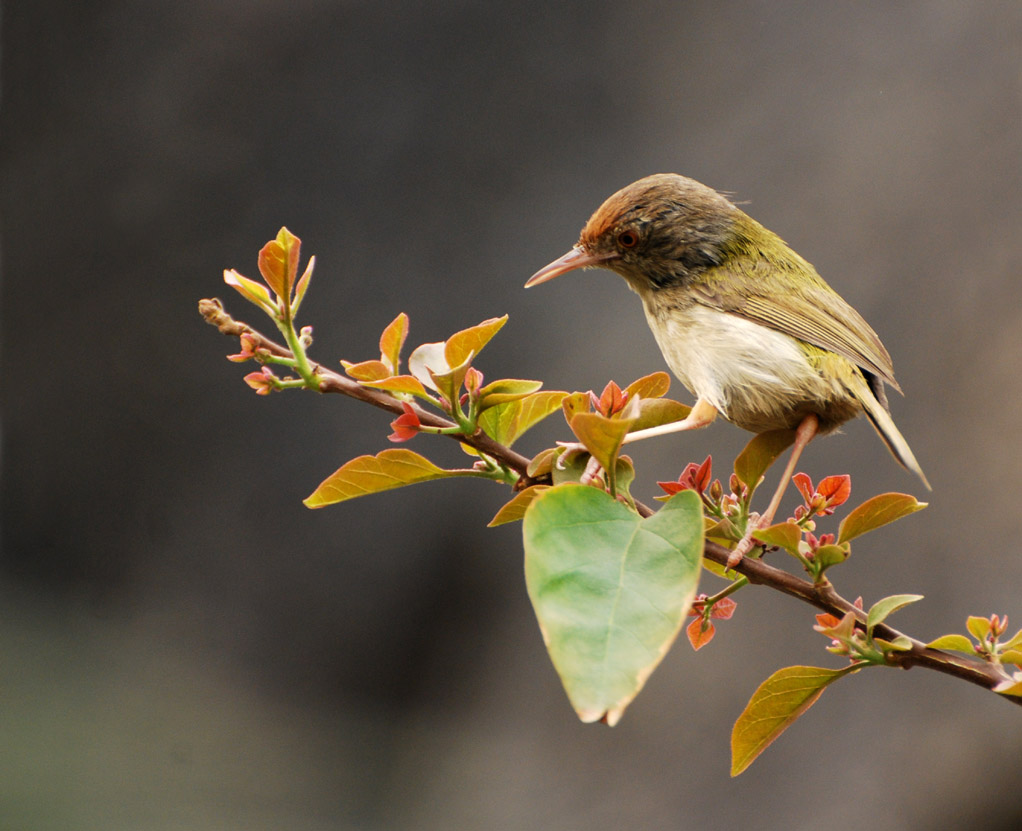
(745, 323)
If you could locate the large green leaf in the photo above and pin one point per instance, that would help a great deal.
(609, 588)
(774, 707)
(370, 474)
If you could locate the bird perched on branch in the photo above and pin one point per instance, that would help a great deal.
(744, 322)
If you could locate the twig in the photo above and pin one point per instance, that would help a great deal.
(823, 597)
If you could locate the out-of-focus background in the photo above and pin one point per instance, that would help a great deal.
(184, 646)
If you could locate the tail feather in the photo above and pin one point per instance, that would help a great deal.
(895, 441)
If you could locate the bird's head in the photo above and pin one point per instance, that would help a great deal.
(657, 232)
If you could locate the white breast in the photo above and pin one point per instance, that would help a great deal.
(738, 366)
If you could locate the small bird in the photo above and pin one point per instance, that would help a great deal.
(744, 322)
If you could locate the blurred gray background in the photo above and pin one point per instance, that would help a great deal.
(184, 646)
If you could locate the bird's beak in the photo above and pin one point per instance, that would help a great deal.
(578, 257)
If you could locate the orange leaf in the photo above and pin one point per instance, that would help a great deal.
(469, 342)
(366, 370)
(391, 341)
(371, 474)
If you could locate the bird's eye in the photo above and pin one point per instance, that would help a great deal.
(628, 239)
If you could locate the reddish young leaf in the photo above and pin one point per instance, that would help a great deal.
(724, 608)
(278, 263)
(611, 400)
(835, 489)
(805, 486)
(406, 426)
(700, 632)
(263, 382)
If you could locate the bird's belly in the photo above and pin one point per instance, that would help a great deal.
(756, 377)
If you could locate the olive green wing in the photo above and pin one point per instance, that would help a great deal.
(813, 312)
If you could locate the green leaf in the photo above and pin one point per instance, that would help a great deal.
(1010, 656)
(979, 627)
(656, 411)
(882, 609)
(956, 643)
(655, 385)
(469, 342)
(610, 589)
(504, 390)
(786, 535)
(504, 423)
(392, 340)
(899, 644)
(876, 512)
(371, 474)
(514, 510)
(1014, 642)
(832, 555)
(759, 454)
(774, 707)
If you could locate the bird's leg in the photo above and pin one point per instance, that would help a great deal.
(803, 435)
(702, 414)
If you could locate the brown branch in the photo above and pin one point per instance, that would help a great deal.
(757, 571)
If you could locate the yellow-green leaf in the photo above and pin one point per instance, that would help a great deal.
(759, 454)
(774, 707)
(515, 509)
(786, 535)
(469, 342)
(656, 411)
(371, 474)
(956, 643)
(504, 423)
(577, 402)
(882, 609)
(392, 340)
(876, 512)
(601, 436)
(504, 390)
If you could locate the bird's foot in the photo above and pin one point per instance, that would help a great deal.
(746, 543)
